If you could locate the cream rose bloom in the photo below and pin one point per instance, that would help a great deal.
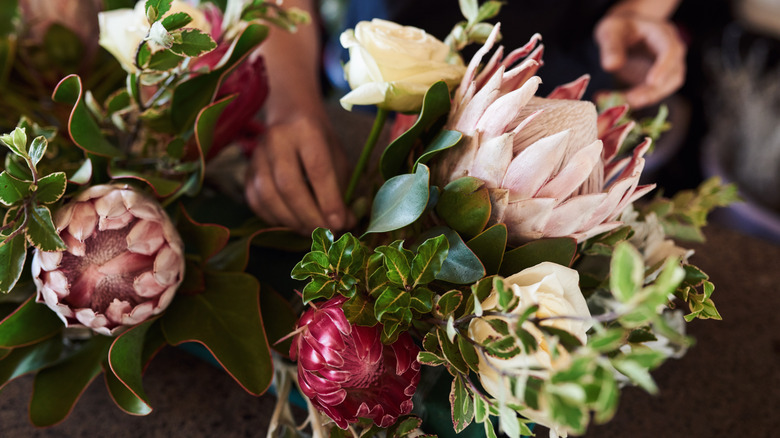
(555, 289)
(392, 66)
(122, 30)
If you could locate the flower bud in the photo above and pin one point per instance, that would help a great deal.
(123, 264)
(348, 373)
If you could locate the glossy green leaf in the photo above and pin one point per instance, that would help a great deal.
(559, 250)
(340, 253)
(489, 247)
(481, 409)
(123, 397)
(469, 353)
(448, 303)
(436, 104)
(321, 240)
(461, 265)
(397, 265)
(319, 288)
(126, 362)
(193, 43)
(23, 360)
(13, 190)
(83, 129)
(57, 388)
(400, 201)
(162, 187)
(627, 272)
(443, 141)
(451, 352)
(31, 323)
(422, 300)
(176, 21)
(461, 405)
(163, 60)
(279, 319)
(160, 6)
(196, 93)
(51, 187)
(428, 260)
(314, 264)
(16, 141)
(40, 230)
(234, 257)
(226, 319)
(206, 239)
(37, 149)
(360, 311)
(430, 359)
(404, 427)
(465, 205)
(206, 122)
(391, 300)
(13, 253)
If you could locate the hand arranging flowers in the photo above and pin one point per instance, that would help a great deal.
(507, 255)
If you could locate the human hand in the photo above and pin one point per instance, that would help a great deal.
(293, 177)
(645, 53)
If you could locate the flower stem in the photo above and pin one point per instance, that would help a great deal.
(368, 148)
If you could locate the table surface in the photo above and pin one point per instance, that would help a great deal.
(727, 385)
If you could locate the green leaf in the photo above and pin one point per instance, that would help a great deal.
(37, 149)
(176, 21)
(161, 7)
(452, 352)
(636, 372)
(319, 288)
(57, 388)
(193, 43)
(314, 264)
(360, 311)
(461, 265)
(469, 353)
(489, 247)
(83, 129)
(404, 427)
(51, 188)
(13, 254)
(465, 205)
(422, 300)
(627, 272)
(392, 300)
(206, 239)
(481, 409)
(321, 240)
(461, 405)
(41, 232)
(340, 253)
(436, 104)
(443, 141)
(428, 261)
(279, 319)
(430, 359)
(400, 201)
(16, 141)
(469, 9)
(558, 250)
(125, 358)
(162, 187)
(448, 303)
(225, 319)
(565, 338)
(31, 323)
(397, 265)
(122, 396)
(488, 10)
(13, 190)
(608, 340)
(163, 60)
(206, 123)
(23, 360)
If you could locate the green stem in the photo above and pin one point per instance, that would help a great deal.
(368, 148)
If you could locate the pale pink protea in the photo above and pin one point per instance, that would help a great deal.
(123, 264)
(348, 373)
(547, 162)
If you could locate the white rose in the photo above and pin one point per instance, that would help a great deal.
(392, 66)
(555, 289)
(122, 30)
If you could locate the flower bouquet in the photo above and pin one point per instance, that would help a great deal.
(505, 266)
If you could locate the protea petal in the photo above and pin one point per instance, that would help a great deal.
(527, 218)
(365, 379)
(492, 160)
(573, 90)
(574, 173)
(572, 215)
(119, 268)
(609, 118)
(531, 169)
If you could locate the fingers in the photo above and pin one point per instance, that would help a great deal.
(293, 180)
(648, 53)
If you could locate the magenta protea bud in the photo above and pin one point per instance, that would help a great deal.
(348, 373)
(123, 264)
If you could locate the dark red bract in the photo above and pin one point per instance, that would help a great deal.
(348, 373)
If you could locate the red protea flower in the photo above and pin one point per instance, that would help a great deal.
(348, 373)
(123, 264)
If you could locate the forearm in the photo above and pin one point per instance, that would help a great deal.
(292, 61)
(653, 9)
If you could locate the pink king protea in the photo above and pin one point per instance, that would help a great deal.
(348, 373)
(123, 264)
(547, 162)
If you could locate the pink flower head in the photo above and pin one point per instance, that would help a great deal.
(123, 264)
(547, 162)
(348, 373)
